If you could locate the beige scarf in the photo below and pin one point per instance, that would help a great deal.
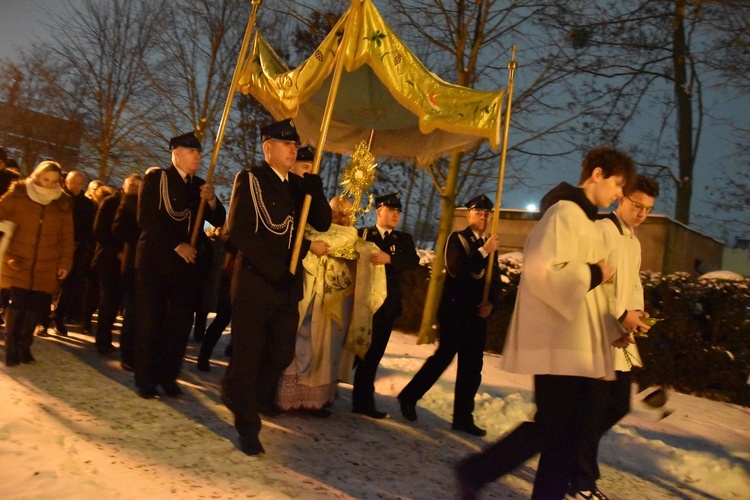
(42, 195)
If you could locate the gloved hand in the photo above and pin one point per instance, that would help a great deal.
(312, 184)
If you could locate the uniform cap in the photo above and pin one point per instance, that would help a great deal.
(281, 131)
(392, 200)
(480, 202)
(185, 141)
(306, 154)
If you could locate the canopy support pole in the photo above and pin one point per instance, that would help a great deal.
(224, 117)
(512, 65)
(332, 92)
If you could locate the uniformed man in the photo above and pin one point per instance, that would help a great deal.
(264, 218)
(397, 255)
(167, 278)
(462, 317)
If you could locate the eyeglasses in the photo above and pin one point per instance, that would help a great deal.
(640, 206)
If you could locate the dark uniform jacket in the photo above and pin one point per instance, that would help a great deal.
(261, 270)
(404, 256)
(107, 244)
(165, 223)
(125, 228)
(465, 272)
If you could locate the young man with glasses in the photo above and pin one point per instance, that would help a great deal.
(625, 256)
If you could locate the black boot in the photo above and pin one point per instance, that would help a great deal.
(203, 364)
(12, 352)
(26, 338)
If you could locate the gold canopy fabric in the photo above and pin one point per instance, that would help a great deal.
(384, 87)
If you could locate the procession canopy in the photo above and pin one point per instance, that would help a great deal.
(384, 87)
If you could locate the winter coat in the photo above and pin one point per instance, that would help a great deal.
(42, 242)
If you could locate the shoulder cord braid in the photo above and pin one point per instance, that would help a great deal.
(467, 249)
(261, 212)
(164, 201)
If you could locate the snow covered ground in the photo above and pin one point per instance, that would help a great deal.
(71, 426)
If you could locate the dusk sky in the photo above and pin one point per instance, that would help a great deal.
(21, 21)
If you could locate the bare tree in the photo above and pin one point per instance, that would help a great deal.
(657, 59)
(96, 67)
(197, 51)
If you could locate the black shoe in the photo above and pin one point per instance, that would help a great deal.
(370, 412)
(12, 358)
(26, 357)
(251, 446)
(408, 409)
(594, 494)
(203, 365)
(270, 410)
(171, 389)
(317, 412)
(148, 392)
(126, 366)
(469, 428)
(106, 350)
(61, 330)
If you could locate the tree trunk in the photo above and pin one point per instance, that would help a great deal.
(683, 97)
(432, 301)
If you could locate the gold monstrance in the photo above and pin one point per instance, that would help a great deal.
(357, 178)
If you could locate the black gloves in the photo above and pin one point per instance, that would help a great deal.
(312, 184)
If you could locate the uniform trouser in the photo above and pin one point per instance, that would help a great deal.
(463, 335)
(565, 406)
(26, 309)
(219, 324)
(165, 303)
(263, 341)
(363, 392)
(617, 405)
(127, 332)
(110, 297)
(74, 288)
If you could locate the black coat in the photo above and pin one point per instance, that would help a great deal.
(261, 271)
(125, 228)
(84, 213)
(400, 246)
(465, 273)
(107, 244)
(161, 232)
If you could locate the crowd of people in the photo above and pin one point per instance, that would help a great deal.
(313, 303)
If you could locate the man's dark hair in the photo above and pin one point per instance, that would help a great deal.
(611, 161)
(645, 185)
